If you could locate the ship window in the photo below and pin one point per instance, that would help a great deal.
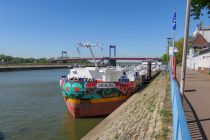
(136, 74)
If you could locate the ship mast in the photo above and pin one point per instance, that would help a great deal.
(88, 45)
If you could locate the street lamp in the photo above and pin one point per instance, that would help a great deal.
(169, 42)
(184, 56)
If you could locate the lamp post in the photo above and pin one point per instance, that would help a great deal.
(169, 42)
(186, 32)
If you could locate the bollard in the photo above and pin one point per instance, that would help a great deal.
(149, 70)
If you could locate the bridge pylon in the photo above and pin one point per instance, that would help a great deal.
(110, 50)
(64, 57)
(112, 62)
(64, 54)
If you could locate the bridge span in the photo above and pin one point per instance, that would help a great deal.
(102, 58)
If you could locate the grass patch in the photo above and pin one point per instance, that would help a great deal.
(166, 116)
(163, 134)
(151, 108)
(116, 136)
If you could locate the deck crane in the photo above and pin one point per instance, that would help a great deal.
(89, 46)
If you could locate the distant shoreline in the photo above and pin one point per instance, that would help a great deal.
(24, 67)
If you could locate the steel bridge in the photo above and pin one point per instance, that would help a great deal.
(114, 58)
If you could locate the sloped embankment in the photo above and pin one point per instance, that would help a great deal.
(144, 116)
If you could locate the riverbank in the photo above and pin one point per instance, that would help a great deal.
(146, 115)
(21, 67)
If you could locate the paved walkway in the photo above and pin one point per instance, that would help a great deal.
(197, 103)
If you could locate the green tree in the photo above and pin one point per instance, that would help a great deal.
(42, 60)
(178, 55)
(198, 6)
(20, 60)
(164, 58)
(179, 46)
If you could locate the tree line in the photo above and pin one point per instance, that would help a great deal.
(6, 59)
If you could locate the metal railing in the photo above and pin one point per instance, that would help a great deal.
(180, 127)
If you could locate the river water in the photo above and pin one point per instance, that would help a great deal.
(32, 108)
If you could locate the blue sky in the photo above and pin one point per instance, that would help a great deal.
(43, 28)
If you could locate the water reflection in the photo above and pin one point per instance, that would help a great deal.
(1, 136)
(76, 128)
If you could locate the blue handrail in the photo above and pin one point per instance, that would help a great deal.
(180, 127)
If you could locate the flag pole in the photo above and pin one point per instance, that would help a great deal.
(174, 33)
(186, 32)
(168, 54)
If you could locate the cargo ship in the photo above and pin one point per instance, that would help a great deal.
(94, 91)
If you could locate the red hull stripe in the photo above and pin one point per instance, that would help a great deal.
(87, 109)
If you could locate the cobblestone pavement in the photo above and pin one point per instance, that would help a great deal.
(138, 118)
